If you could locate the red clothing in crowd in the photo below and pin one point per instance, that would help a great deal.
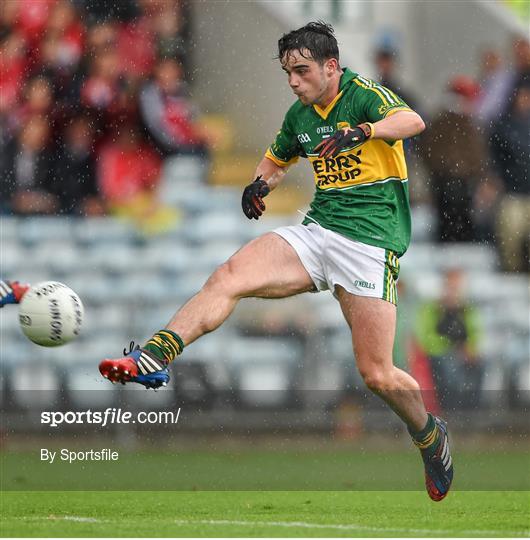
(126, 172)
(178, 121)
(12, 74)
(136, 48)
(71, 45)
(32, 18)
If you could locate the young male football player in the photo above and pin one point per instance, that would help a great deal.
(351, 129)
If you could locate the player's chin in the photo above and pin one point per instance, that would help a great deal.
(303, 99)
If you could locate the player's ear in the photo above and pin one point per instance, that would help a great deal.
(331, 66)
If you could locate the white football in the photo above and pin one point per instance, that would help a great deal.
(51, 314)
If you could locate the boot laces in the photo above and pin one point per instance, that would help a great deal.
(132, 347)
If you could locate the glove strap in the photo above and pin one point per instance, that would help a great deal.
(368, 129)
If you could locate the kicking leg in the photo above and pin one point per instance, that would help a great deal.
(267, 267)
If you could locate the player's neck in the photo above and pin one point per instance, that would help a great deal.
(332, 91)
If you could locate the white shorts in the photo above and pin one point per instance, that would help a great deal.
(332, 259)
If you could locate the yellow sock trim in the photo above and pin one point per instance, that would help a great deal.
(428, 440)
(174, 343)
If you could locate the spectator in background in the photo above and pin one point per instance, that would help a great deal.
(101, 87)
(454, 152)
(386, 58)
(485, 206)
(521, 53)
(169, 115)
(510, 145)
(27, 182)
(13, 65)
(127, 167)
(68, 32)
(108, 91)
(169, 39)
(140, 40)
(57, 54)
(75, 177)
(61, 51)
(30, 18)
(9, 15)
(499, 83)
(99, 66)
(128, 174)
(448, 332)
(38, 100)
(495, 86)
(101, 36)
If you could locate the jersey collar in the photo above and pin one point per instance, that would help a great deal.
(345, 78)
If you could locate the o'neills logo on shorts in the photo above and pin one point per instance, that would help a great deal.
(364, 284)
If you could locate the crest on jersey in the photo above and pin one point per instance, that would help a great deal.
(343, 125)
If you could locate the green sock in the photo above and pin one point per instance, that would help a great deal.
(165, 345)
(427, 439)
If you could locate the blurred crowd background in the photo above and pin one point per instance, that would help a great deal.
(95, 97)
(115, 180)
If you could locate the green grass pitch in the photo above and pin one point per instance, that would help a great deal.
(263, 493)
(268, 513)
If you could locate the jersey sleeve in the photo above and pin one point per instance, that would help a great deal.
(286, 149)
(379, 102)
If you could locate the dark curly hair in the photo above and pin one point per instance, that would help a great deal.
(316, 37)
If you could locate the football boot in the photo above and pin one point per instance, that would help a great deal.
(137, 366)
(438, 465)
(11, 292)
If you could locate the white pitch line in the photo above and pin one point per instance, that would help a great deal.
(344, 527)
(78, 519)
(297, 524)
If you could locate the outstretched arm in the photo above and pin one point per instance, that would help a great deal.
(400, 125)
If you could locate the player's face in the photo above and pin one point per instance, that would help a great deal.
(308, 79)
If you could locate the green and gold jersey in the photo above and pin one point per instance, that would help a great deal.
(362, 193)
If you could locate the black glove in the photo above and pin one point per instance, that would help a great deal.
(341, 139)
(252, 201)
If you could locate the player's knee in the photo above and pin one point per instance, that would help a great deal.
(376, 378)
(223, 279)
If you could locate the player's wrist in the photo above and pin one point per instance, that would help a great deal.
(368, 129)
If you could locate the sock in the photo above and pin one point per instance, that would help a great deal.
(427, 439)
(165, 345)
